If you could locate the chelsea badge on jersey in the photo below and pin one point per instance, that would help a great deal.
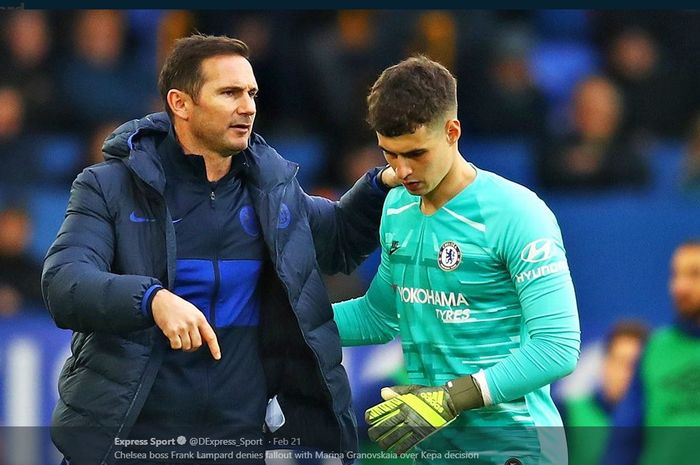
(449, 256)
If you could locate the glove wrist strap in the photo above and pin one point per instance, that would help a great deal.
(465, 393)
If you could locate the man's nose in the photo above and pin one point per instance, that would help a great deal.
(402, 168)
(247, 106)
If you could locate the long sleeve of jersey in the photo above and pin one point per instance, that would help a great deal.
(532, 249)
(372, 318)
(551, 351)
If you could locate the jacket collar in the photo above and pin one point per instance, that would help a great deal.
(191, 166)
(266, 169)
(135, 144)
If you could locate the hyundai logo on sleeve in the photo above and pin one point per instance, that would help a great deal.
(537, 250)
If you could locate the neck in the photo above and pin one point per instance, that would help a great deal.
(216, 164)
(460, 175)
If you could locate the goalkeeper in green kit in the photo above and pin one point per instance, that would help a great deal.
(474, 279)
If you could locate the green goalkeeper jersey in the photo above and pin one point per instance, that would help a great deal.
(479, 287)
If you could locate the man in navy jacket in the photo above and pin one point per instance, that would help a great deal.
(195, 232)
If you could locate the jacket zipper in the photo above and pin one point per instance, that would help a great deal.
(217, 273)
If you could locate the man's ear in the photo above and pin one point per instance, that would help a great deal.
(453, 129)
(180, 103)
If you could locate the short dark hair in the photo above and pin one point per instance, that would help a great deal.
(694, 242)
(412, 93)
(627, 328)
(182, 68)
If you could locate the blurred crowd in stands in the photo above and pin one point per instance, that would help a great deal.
(588, 91)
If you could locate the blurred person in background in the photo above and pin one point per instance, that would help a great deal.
(507, 102)
(654, 93)
(99, 81)
(27, 62)
(20, 275)
(357, 160)
(93, 148)
(277, 68)
(657, 420)
(194, 232)
(595, 153)
(17, 147)
(588, 417)
(435, 35)
(11, 113)
(342, 59)
(474, 279)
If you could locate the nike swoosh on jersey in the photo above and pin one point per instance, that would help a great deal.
(394, 247)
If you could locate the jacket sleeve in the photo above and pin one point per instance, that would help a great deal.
(78, 288)
(346, 232)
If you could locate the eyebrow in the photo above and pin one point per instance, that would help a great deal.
(238, 89)
(410, 153)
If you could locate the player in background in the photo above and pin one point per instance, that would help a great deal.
(657, 420)
(474, 279)
(588, 417)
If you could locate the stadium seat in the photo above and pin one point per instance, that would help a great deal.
(47, 207)
(562, 24)
(510, 158)
(557, 66)
(666, 161)
(59, 157)
(307, 151)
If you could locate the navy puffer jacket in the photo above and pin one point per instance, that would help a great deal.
(101, 264)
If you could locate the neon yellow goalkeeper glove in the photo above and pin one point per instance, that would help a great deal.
(411, 413)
